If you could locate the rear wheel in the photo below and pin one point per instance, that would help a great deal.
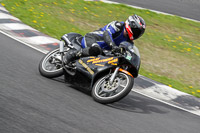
(51, 65)
(105, 93)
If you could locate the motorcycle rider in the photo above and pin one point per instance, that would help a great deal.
(109, 37)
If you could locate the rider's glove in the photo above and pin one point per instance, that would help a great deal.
(112, 44)
(116, 49)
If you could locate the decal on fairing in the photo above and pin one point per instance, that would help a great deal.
(93, 60)
(98, 64)
(86, 67)
(128, 57)
(110, 60)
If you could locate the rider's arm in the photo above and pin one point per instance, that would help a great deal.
(111, 29)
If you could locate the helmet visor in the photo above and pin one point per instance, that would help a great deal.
(137, 33)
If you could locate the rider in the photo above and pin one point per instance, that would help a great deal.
(109, 37)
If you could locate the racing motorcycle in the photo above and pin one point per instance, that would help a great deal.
(109, 76)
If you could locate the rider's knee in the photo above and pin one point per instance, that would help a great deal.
(95, 50)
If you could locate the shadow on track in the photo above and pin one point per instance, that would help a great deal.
(61, 80)
(137, 104)
(131, 103)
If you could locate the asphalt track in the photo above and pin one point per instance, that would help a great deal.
(185, 8)
(30, 103)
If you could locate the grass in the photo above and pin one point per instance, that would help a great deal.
(170, 47)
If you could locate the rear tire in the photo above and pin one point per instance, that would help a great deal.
(43, 66)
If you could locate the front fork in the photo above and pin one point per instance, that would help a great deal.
(116, 71)
(113, 75)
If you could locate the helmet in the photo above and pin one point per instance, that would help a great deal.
(135, 27)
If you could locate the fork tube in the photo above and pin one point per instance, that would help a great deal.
(61, 46)
(113, 76)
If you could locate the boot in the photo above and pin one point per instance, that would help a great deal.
(72, 55)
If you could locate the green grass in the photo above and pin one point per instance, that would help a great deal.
(170, 47)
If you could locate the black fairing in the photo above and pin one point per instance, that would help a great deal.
(131, 57)
(89, 69)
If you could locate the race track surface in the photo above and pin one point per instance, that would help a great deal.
(185, 8)
(30, 103)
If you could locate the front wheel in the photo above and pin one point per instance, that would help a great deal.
(105, 93)
(51, 65)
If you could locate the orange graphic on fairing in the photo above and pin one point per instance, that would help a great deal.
(124, 71)
(110, 60)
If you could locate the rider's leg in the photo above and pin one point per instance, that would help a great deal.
(74, 54)
(89, 48)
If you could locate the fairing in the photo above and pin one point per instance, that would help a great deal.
(89, 69)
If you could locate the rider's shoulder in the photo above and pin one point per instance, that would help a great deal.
(119, 24)
(116, 25)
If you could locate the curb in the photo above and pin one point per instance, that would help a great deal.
(167, 95)
(14, 28)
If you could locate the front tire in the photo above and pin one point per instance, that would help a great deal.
(105, 93)
(50, 66)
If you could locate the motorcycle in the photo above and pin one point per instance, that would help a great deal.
(109, 76)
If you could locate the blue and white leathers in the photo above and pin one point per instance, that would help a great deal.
(114, 33)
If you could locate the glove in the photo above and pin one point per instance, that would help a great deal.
(116, 49)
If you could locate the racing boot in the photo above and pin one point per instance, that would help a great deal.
(72, 55)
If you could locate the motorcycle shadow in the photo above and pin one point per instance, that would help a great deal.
(140, 104)
(131, 103)
(68, 84)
